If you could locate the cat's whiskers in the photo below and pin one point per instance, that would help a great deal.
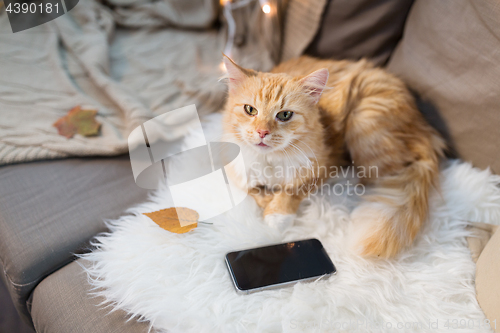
(310, 164)
(303, 161)
(217, 138)
(290, 160)
(315, 158)
(310, 149)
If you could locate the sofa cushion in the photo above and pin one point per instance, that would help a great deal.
(450, 55)
(62, 303)
(49, 210)
(487, 286)
(353, 29)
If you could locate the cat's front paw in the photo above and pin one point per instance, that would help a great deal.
(280, 222)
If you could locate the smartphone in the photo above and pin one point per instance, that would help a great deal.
(277, 266)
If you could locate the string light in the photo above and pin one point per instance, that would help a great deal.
(266, 6)
(229, 5)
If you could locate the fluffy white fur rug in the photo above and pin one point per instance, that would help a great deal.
(179, 283)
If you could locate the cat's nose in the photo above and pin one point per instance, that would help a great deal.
(262, 133)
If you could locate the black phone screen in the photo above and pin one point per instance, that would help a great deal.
(275, 264)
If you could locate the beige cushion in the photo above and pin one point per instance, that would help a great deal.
(450, 54)
(487, 280)
(481, 234)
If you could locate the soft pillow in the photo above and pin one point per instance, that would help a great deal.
(353, 29)
(450, 54)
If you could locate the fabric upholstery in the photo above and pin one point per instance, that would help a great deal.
(302, 19)
(487, 286)
(62, 303)
(481, 234)
(449, 55)
(49, 210)
(9, 318)
(353, 29)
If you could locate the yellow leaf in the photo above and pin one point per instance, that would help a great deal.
(78, 121)
(170, 219)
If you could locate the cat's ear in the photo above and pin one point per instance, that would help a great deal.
(235, 73)
(315, 83)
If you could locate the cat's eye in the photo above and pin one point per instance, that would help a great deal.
(250, 110)
(284, 115)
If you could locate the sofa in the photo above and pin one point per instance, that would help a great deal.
(447, 53)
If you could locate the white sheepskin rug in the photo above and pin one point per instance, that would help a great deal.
(179, 283)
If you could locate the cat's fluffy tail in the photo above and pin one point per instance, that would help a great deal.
(395, 210)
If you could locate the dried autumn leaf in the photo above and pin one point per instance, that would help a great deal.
(179, 220)
(78, 121)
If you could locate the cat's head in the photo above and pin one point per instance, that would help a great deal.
(272, 112)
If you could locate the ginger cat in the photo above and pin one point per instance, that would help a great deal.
(312, 114)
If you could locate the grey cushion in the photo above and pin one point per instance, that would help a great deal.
(353, 29)
(9, 319)
(61, 304)
(50, 209)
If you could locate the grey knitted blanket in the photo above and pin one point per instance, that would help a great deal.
(130, 60)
